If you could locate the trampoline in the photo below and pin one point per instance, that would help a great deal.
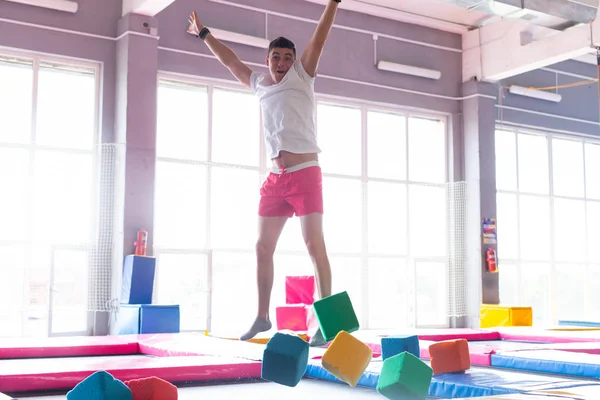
(197, 363)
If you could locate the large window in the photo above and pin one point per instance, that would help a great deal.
(386, 209)
(548, 206)
(48, 136)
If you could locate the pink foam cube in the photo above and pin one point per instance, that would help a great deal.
(293, 317)
(300, 289)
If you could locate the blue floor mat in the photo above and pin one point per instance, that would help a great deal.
(551, 362)
(476, 382)
(585, 324)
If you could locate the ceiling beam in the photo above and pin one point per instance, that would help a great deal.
(508, 48)
(145, 7)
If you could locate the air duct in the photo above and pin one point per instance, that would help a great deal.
(554, 14)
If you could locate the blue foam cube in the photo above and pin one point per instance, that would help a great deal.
(138, 280)
(285, 359)
(100, 386)
(394, 345)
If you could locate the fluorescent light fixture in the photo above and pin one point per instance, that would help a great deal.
(536, 94)
(59, 5)
(409, 70)
(240, 38)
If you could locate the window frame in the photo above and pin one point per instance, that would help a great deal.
(96, 68)
(552, 262)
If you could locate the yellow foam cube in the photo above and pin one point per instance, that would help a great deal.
(347, 358)
(493, 315)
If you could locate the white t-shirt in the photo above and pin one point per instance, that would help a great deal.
(288, 111)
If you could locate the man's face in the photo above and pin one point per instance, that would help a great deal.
(279, 62)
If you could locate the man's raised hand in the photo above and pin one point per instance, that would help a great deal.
(195, 24)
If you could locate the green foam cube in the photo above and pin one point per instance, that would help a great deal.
(405, 377)
(335, 314)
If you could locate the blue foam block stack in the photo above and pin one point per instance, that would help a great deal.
(394, 345)
(100, 386)
(137, 319)
(137, 314)
(285, 359)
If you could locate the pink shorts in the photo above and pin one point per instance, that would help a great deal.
(298, 192)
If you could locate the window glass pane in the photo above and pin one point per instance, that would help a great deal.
(592, 170)
(63, 207)
(66, 109)
(342, 221)
(387, 218)
(426, 150)
(533, 163)
(535, 292)
(569, 230)
(16, 90)
(593, 223)
(432, 293)
(338, 128)
(506, 160)
(508, 226)
(180, 205)
(178, 134)
(593, 311)
(233, 273)
(70, 290)
(347, 276)
(534, 219)
(37, 291)
(570, 291)
(509, 283)
(386, 135)
(427, 220)
(183, 279)
(388, 289)
(12, 284)
(235, 127)
(567, 168)
(291, 238)
(234, 208)
(14, 177)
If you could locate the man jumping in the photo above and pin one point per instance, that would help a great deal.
(294, 185)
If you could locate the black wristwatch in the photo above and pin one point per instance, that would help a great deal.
(203, 33)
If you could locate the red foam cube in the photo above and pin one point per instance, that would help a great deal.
(152, 388)
(300, 290)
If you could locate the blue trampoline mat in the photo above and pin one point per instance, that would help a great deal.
(550, 361)
(476, 382)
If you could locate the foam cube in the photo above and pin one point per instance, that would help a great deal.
(404, 376)
(450, 356)
(347, 358)
(293, 317)
(299, 290)
(335, 314)
(285, 359)
(100, 386)
(394, 345)
(138, 279)
(152, 388)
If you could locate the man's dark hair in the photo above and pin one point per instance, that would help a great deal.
(282, 43)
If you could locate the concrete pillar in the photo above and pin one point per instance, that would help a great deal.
(479, 122)
(137, 67)
(135, 138)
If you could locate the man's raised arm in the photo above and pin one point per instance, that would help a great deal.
(223, 53)
(314, 48)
